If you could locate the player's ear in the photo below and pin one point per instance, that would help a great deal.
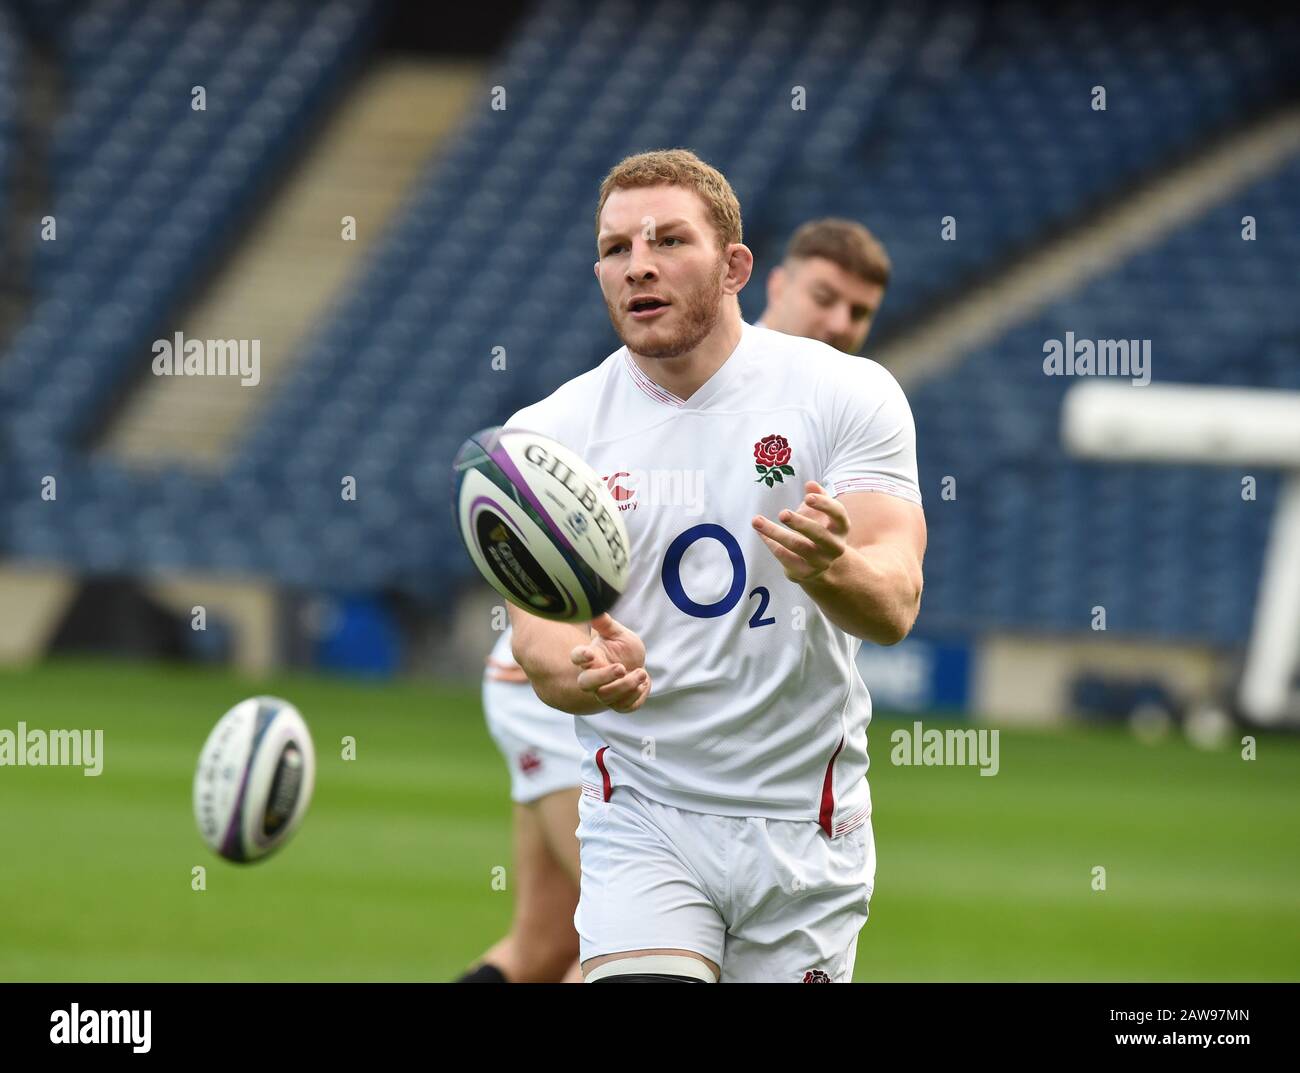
(596, 269)
(740, 266)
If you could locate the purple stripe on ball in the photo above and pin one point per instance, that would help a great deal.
(502, 458)
(232, 844)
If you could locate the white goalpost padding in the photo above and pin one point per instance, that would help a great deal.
(1216, 426)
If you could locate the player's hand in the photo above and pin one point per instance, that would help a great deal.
(811, 539)
(611, 666)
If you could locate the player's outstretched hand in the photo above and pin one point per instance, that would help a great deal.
(611, 666)
(815, 536)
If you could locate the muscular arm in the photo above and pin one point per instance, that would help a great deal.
(873, 590)
(858, 556)
(582, 670)
(544, 649)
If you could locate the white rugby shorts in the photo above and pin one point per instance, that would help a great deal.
(537, 742)
(766, 900)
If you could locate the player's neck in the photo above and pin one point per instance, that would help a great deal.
(687, 373)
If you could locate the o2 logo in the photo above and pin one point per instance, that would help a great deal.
(671, 574)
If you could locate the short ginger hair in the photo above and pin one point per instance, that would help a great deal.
(679, 167)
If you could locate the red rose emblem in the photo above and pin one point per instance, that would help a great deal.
(772, 460)
(816, 976)
(772, 451)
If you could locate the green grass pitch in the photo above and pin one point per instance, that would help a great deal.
(390, 876)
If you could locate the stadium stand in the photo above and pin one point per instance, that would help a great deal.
(991, 122)
(10, 73)
(148, 188)
(1035, 539)
(495, 245)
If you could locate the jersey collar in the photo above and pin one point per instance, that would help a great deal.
(706, 391)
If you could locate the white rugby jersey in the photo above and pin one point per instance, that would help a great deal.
(756, 706)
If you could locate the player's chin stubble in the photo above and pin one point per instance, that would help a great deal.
(697, 316)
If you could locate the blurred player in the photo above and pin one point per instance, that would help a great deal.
(725, 815)
(543, 755)
(828, 287)
(830, 284)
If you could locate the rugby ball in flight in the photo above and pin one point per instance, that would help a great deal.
(255, 778)
(539, 524)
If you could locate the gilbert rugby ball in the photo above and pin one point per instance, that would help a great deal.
(255, 778)
(539, 524)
